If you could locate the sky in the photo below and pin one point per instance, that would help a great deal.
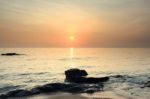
(91, 23)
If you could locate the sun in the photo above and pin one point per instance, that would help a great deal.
(72, 38)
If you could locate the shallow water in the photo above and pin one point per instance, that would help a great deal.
(40, 66)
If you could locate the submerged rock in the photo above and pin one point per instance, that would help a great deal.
(88, 80)
(81, 84)
(16, 93)
(54, 87)
(10, 54)
(23, 93)
(147, 84)
(79, 76)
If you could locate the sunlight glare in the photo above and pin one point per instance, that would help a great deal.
(72, 38)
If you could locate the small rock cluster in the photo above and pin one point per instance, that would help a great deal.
(81, 84)
(79, 76)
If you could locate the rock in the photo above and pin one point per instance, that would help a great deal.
(18, 93)
(147, 84)
(45, 88)
(10, 54)
(23, 93)
(54, 87)
(75, 89)
(3, 96)
(96, 80)
(13, 93)
(81, 84)
(88, 80)
(35, 91)
(89, 91)
(78, 76)
(75, 73)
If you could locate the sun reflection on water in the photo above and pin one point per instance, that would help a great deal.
(71, 57)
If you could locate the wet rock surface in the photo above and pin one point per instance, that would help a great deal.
(147, 84)
(88, 80)
(75, 73)
(55, 87)
(78, 84)
(16, 93)
(79, 76)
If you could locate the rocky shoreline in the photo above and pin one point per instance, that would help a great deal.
(75, 82)
(55, 87)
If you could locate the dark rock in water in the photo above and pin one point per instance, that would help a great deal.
(3, 96)
(75, 89)
(16, 93)
(23, 93)
(55, 87)
(147, 84)
(75, 73)
(88, 80)
(81, 84)
(83, 88)
(35, 91)
(78, 76)
(90, 91)
(10, 54)
(95, 80)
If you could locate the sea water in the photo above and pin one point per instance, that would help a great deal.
(39, 66)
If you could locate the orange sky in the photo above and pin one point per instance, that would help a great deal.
(93, 23)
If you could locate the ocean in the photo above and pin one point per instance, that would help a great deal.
(39, 66)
